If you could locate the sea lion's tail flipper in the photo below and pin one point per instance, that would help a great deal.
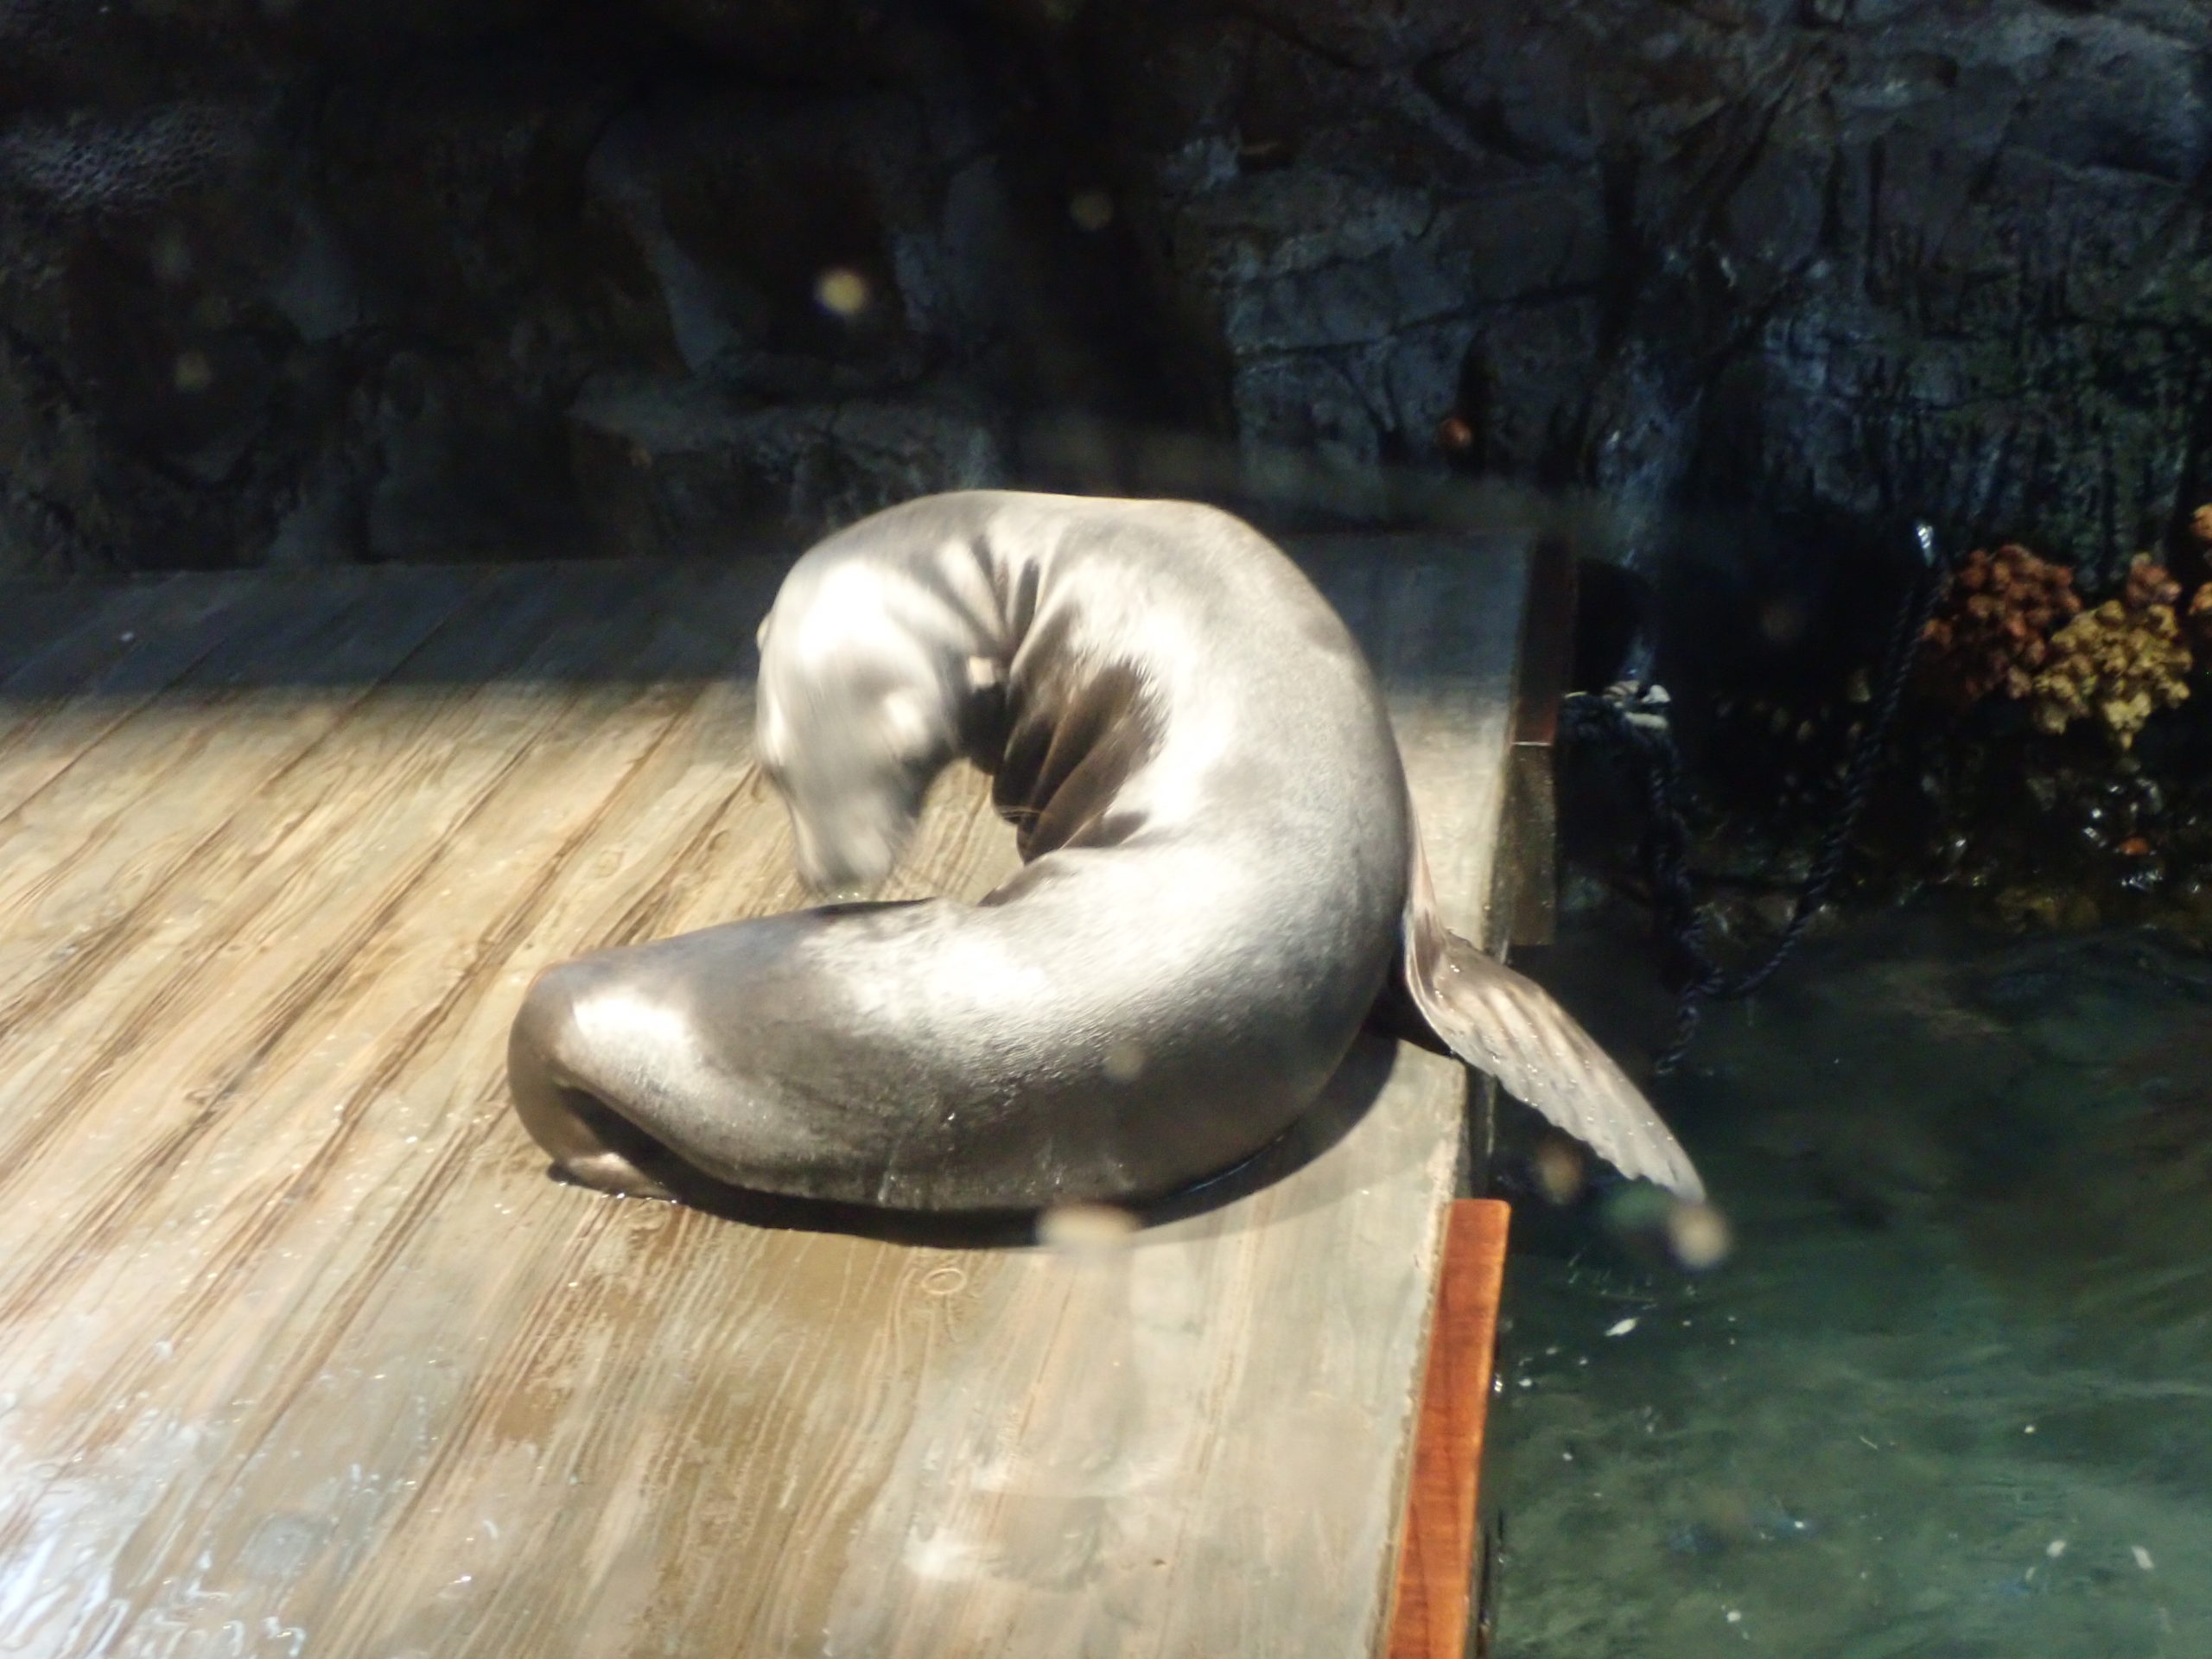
(1505, 1024)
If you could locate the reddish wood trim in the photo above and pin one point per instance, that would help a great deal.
(1437, 1552)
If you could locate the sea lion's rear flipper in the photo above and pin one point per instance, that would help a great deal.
(1505, 1024)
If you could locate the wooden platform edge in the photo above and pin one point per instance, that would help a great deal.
(1432, 1606)
(1524, 897)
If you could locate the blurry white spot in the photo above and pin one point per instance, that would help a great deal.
(2029, 1429)
(942, 1558)
(1085, 1226)
(1560, 1169)
(1124, 1062)
(1620, 1329)
(1735, 1616)
(2142, 1557)
(127, 636)
(841, 292)
(193, 372)
(1092, 210)
(1699, 1235)
(172, 256)
(2055, 1549)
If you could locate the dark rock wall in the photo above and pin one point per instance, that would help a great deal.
(324, 280)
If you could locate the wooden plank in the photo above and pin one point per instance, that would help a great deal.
(1436, 1561)
(35, 614)
(228, 938)
(148, 811)
(183, 1029)
(1526, 904)
(60, 692)
(301, 1352)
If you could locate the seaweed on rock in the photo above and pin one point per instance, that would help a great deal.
(2119, 664)
(1993, 631)
(2058, 765)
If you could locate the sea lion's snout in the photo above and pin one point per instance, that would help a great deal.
(852, 759)
(858, 859)
(850, 823)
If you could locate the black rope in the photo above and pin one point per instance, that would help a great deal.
(1633, 718)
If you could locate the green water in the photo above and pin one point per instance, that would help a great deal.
(1950, 1396)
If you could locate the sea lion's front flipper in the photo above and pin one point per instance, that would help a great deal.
(1505, 1024)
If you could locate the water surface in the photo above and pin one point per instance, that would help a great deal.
(1951, 1395)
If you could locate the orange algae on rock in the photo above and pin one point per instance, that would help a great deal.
(1991, 632)
(2200, 604)
(2119, 664)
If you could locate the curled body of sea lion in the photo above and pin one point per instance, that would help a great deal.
(1221, 876)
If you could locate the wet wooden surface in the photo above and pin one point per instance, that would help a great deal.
(301, 1353)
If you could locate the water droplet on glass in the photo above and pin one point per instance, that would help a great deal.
(1700, 1235)
(1091, 210)
(1085, 1226)
(841, 292)
(1124, 1061)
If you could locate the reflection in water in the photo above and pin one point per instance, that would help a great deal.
(1952, 1392)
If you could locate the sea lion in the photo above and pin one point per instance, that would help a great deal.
(1221, 880)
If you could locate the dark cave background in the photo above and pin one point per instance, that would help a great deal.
(326, 281)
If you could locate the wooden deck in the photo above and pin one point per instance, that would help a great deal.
(301, 1352)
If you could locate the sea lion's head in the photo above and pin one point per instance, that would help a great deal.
(853, 719)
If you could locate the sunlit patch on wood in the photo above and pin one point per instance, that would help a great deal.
(299, 1338)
